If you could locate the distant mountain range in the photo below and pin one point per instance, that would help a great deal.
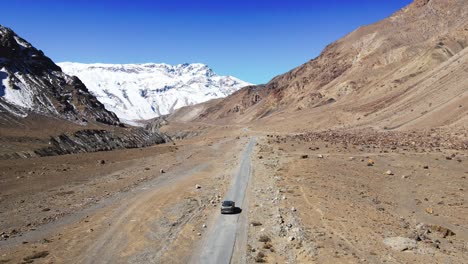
(146, 91)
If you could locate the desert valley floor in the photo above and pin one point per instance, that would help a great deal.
(310, 199)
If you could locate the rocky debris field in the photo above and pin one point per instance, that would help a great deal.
(359, 198)
(419, 141)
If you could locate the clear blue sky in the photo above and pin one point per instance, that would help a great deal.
(254, 40)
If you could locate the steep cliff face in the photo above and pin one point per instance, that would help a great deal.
(400, 72)
(31, 83)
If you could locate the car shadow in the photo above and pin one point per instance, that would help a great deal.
(237, 210)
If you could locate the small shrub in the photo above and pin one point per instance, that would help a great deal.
(267, 246)
(260, 257)
(259, 260)
(264, 238)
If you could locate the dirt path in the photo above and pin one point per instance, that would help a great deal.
(219, 244)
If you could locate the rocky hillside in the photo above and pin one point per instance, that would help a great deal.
(145, 91)
(408, 71)
(44, 111)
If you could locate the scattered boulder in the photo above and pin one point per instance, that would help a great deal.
(400, 243)
(389, 172)
(102, 162)
(293, 209)
(291, 238)
(161, 171)
(197, 186)
(320, 156)
(370, 162)
(443, 231)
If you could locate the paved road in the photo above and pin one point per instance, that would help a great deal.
(219, 244)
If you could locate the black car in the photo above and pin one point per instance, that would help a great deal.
(228, 207)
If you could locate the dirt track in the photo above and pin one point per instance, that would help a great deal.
(218, 246)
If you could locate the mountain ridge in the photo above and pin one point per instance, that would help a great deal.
(33, 83)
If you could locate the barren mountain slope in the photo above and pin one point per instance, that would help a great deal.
(407, 71)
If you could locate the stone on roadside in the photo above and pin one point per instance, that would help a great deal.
(320, 156)
(400, 243)
(161, 171)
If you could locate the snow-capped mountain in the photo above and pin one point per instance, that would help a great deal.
(30, 82)
(145, 91)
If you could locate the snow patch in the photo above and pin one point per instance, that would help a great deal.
(22, 43)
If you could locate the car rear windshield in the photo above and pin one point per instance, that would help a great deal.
(227, 203)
